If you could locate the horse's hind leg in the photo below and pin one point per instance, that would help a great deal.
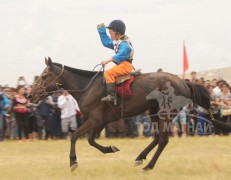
(91, 140)
(146, 151)
(163, 141)
(155, 119)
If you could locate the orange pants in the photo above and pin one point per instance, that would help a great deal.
(123, 68)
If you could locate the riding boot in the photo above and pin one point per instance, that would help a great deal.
(111, 90)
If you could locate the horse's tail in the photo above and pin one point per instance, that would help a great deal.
(200, 96)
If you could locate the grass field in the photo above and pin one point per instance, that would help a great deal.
(191, 158)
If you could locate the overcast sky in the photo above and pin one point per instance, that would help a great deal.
(65, 30)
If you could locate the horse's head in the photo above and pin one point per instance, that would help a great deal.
(153, 95)
(47, 82)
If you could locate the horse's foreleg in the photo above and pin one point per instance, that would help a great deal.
(163, 141)
(86, 127)
(146, 151)
(91, 140)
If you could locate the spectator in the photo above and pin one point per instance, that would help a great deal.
(32, 122)
(146, 122)
(19, 105)
(203, 128)
(11, 129)
(28, 90)
(5, 107)
(193, 77)
(32, 126)
(217, 89)
(131, 127)
(214, 107)
(43, 111)
(117, 129)
(22, 82)
(225, 99)
(179, 122)
(133, 123)
(107, 132)
(69, 107)
(200, 81)
(10, 124)
(1, 117)
(10, 120)
(56, 130)
(214, 82)
(207, 83)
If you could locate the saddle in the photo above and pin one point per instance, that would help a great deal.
(123, 83)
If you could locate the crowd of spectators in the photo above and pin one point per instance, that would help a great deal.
(54, 117)
(193, 119)
(57, 116)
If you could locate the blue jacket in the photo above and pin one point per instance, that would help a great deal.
(43, 109)
(124, 50)
(4, 103)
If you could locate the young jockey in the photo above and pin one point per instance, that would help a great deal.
(123, 57)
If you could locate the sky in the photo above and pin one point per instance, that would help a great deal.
(65, 30)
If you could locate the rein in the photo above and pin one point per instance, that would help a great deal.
(87, 86)
(44, 92)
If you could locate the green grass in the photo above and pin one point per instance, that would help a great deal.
(190, 158)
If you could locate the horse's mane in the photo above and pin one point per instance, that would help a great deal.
(77, 71)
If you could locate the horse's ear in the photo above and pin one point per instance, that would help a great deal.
(46, 61)
(49, 62)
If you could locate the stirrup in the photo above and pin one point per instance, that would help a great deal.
(108, 98)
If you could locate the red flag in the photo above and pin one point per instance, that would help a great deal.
(185, 60)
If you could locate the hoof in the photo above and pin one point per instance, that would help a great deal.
(147, 168)
(138, 162)
(114, 149)
(73, 167)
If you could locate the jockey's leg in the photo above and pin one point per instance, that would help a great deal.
(121, 69)
(111, 90)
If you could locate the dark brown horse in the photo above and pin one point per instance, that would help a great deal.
(96, 114)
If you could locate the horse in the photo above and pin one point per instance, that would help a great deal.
(88, 87)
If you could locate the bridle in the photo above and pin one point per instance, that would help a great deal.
(44, 91)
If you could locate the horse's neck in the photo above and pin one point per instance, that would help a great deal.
(76, 83)
(74, 79)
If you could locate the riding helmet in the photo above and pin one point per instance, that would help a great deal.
(118, 26)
